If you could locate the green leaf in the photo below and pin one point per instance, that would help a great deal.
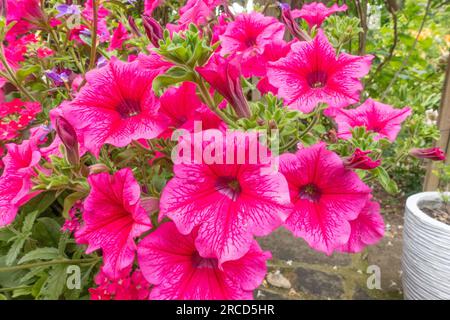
(40, 254)
(22, 73)
(21, 292)
(173, 76)
(54, 286)
(47, 231)
(14, 251)
(386, 182)
(2, 297)
(29, 221)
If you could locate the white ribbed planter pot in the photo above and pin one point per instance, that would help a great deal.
(426, 253)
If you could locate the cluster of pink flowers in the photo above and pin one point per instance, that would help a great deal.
(203, 245)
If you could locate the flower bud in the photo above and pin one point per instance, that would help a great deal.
(153, 30)
(434, 154)
(98, 168)
(69, 138)
(134, 27)
(360, 160)
(291, 24)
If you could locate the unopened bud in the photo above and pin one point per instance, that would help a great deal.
(69, 138)
(153, 30)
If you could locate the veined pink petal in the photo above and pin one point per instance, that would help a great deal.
(113, 217)
(366, 229)
(116, 106)
(171, 262)
(229, 202)
(311, 74)
(315, 13)
(382, 119)
(246, 38)
(326, 196)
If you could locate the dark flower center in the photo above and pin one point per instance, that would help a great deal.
(250, 42)
(128, 108)
(199, 262)
(310, 192)
(317, 79)
(229, 186)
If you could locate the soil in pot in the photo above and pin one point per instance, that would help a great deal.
(436, 209)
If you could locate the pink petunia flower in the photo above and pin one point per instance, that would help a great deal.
(382, 119)
(182, 106)
(326, 196)
(171, 262)
(247, 36)
(116, 106)
(316, 12)
(120, 35)
(27, 15)
(113, 217)
(366, 229)
(311, 74)
(231, 193)
(15, 182)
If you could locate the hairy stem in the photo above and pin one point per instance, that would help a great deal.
(48, 263)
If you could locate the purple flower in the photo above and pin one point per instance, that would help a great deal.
(58, 77)
(64, 9)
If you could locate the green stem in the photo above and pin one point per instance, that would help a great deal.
(210, 102)
(12, 76)
(47, 263)
(12, 289)
(94, 34)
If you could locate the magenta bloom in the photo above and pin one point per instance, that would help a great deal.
(182, 106)
(230, 197)
(434, 154)
(116, 106)
(14, 192)
(325, 195)
(120, 35)
(170, 261)
(27, 14)
(360, 160)
(15, 182)
(375, 116)
(113, 217)
(316, 12)
(247, 37)
(311, 74)
(366, 229)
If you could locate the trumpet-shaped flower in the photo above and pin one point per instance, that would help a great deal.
(247, 36)
(316, 12)
(113, 216)
(326, 196)
(228, 194)
(171, 262)
(116, 106)
(382, 119)
(311, 74)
